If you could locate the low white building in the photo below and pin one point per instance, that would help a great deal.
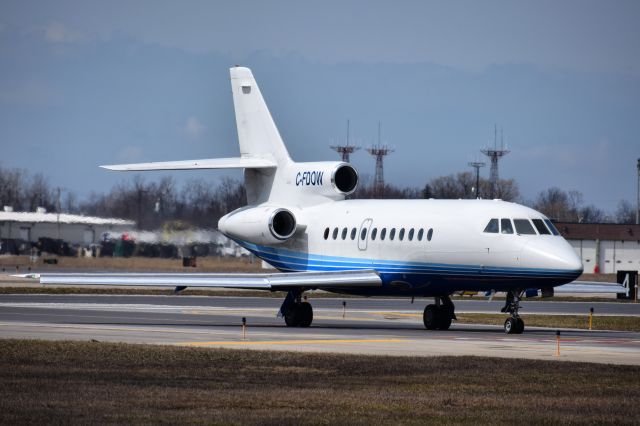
(604, 248)
(74, 229)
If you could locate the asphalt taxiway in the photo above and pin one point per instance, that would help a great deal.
(364, 326)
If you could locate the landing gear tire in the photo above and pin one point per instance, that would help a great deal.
(444, 320)
(514, 325)
(300, 315)
(520, 324)
(430, 317)
(436, 318)
(306, 314)
(292, 318)
(510, 325)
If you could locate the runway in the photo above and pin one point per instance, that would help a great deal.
(365, 326)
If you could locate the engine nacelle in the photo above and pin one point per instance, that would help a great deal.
(259, 225)
(329, 179)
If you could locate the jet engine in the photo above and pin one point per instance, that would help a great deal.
(327, 179)
(259, 225)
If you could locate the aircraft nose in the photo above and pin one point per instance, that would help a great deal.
(552, 253)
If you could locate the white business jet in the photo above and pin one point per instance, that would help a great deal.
(297, 220)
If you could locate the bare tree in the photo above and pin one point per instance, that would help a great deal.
(592, 214)
(507, 190)
(625, 212)
(12, 188)
(70, 204)
(555, 204)
(39, 194)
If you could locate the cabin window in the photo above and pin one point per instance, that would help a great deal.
(353, 233)
(505, 225)
(523, 227)
(326, 233)
(392, 234)
(492, 227)
(420, 234)
(383, 233)
(374, 233)
(410, 234)
(553, 229)
(401, 234)
(429, 234)
(335, 233)
(344, 233)
(539, 224)
(363, 234)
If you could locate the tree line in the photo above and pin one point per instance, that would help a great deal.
(198, 203)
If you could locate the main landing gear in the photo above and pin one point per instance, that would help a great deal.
(439, 316)
(513, 324)
(296, 313)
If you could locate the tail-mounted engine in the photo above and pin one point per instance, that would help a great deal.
(328, 179)
(259, 225)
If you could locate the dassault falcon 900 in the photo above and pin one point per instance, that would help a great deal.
(298, 220)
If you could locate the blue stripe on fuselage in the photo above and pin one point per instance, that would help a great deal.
(415, 273)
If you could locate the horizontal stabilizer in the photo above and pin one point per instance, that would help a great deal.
(590, 287)
(271, 281)
(212, 163)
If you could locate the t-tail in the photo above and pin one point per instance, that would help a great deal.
(277, 187)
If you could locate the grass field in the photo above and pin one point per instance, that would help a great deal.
(98, 383)
(140, 264)
(600, 322)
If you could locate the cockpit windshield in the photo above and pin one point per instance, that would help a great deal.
(523, 227)
(552, 227)
(539, 224)
(492, 227)
(505, 226)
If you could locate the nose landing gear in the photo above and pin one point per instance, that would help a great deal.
(513, 324)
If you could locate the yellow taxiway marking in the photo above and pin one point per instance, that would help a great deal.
(291, 342)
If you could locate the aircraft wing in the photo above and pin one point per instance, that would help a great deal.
(211, 163)
(590, 287)
(270, 281)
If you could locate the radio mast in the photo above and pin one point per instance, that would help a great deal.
(345, 150)
(494, 155)
(379, 151)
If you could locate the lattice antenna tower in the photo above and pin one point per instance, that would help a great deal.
(494, 155)
(477, 165)
(379, 151)
(347, 149)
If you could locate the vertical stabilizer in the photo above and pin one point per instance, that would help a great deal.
(257, 133)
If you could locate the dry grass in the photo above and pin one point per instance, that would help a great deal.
(618, 323)
(88, 383)
(141, 264)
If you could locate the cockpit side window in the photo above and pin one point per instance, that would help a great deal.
(539, 224)
(553, 229)
(505, 225)
(523, 227)
(492, 227)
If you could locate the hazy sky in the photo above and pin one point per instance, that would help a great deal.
(86, 83)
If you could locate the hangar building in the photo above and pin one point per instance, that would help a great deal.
(74, 229)
(604, 247)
